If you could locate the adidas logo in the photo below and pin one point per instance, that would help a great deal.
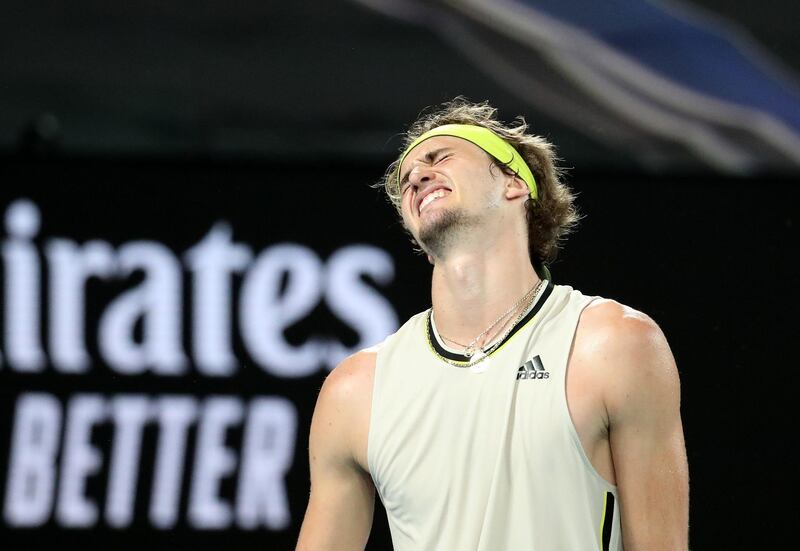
(533, 369)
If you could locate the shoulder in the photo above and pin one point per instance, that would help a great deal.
(629, 353)
(607, 322)
(340, 426)
(351, 380)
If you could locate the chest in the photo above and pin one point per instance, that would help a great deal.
(454, 428)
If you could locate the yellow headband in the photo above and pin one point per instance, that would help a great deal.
(487, 140)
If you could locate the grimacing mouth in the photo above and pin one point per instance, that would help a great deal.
(431, 197)
(435, 187)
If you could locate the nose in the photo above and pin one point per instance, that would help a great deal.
(421, 175)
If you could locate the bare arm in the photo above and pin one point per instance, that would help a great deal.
(340, 508)
(642, 400)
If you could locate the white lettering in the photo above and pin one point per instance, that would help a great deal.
(141, 329)
(261, 496)
(130, 413)
(265, 312)
(175, 414)
(80, 460)
(70, 267)
(355, 302)
(267, 455)
(213, 462)
(22, 296)
(213, 260)
(157, 301)
(31, 473)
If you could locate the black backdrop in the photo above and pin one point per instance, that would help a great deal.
(711, 259)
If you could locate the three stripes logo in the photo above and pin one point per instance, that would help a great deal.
(533, 369)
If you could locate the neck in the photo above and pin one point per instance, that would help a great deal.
(470, 289)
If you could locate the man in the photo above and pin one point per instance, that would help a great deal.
(515, 414)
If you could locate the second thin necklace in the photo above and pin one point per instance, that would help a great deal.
(471, 348)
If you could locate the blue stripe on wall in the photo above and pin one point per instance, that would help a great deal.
(695, 54)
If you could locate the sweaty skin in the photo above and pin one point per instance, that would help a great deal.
(622, 388)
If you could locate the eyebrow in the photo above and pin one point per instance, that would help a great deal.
(429, 158)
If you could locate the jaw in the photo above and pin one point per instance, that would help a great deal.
(416, 221)
(444, 229)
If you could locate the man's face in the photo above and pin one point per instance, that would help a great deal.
(446, 184)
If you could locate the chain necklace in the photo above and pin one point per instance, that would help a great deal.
(472, 347)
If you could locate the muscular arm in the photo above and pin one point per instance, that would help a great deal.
(340, 508)
(642, 400)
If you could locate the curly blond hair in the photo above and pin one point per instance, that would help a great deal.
(551, 217)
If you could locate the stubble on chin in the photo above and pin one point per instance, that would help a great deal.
(439, 234)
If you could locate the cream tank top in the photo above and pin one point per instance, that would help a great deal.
(487, 458)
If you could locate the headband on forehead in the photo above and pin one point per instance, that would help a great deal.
(487, 140)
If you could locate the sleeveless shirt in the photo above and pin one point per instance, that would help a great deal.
(487, 458)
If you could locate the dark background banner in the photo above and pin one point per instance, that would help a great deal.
(166, 327)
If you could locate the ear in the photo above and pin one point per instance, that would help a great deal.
(516, 188)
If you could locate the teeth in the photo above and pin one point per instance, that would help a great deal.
(431, 197)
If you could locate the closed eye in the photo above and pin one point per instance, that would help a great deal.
(432, 158)
(443, 158)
